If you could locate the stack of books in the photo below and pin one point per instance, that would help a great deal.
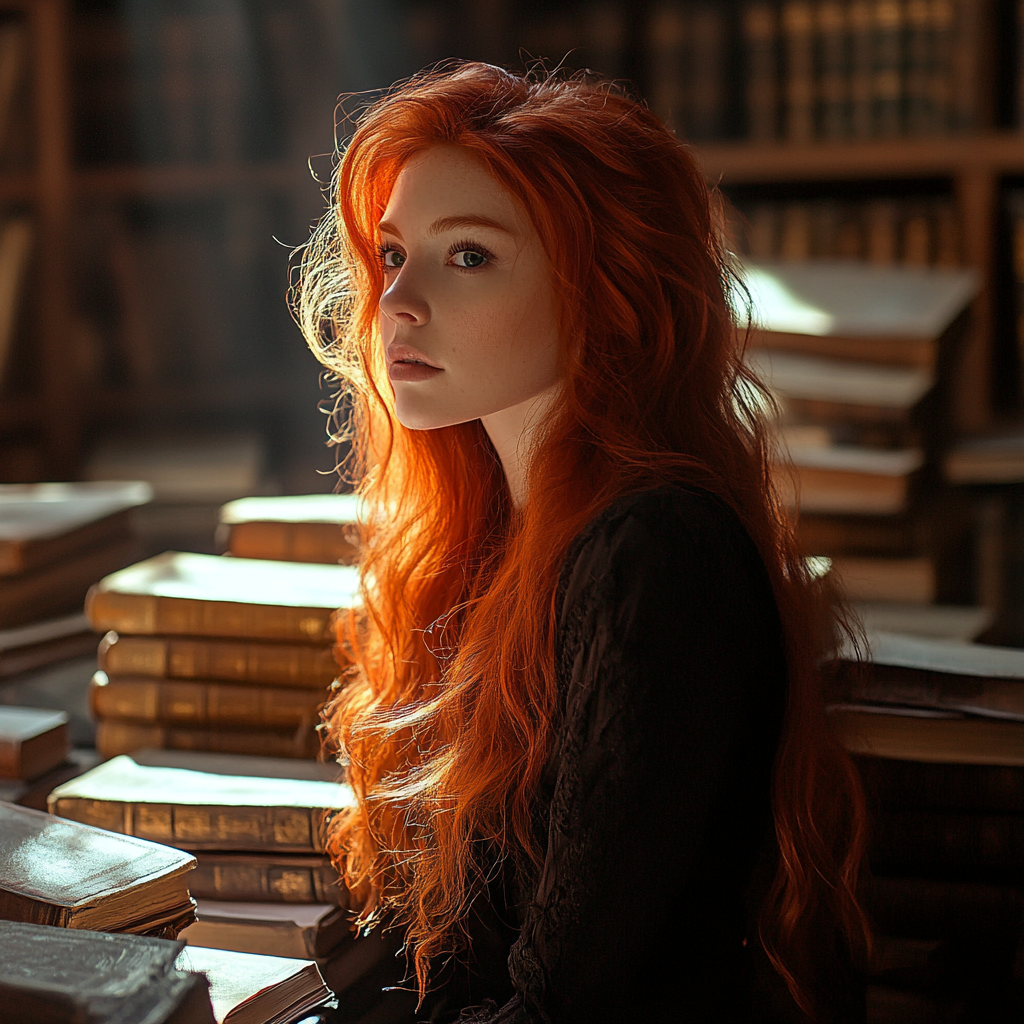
(293, 528)
(204, 652)
(56, 540)
(36, 755)
(937, 729)
(263, 883)
(858, 358)
(58, 975)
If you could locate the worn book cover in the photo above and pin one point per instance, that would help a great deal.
(247, 988)
(262, 878)
(66, 873)
(114, 737)
(186, 594)
(293, 528)
(231, 661)
(43, 523)
(307, 931)
(201, 810)
(32, 741)
(62, 976)
(201, 703)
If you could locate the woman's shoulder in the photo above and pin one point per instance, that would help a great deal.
(656, 521)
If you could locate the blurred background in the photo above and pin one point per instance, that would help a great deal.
(155, 173)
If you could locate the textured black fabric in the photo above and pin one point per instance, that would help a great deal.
(655, 806)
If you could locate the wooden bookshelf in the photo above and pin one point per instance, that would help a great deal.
(185, 180)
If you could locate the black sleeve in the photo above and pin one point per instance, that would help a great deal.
(675, 678)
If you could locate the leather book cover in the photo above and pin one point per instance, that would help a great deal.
(32, 741)
(259, 878)
(61, 587)
(187, 594)
(65, 976)
(44, 523)
(200, 703)
(304, 931)
(73, 875)
(299, 665)
(293, 528)
(249, 987)
(202, 810)
(114, 737)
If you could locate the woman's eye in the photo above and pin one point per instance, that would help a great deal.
(391, 259)
(469, 258)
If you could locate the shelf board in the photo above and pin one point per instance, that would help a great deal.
(183, 180)
(948, 156)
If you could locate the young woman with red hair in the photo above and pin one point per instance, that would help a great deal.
(584, 724)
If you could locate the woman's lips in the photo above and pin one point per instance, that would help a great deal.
(408, 363)
(407, 370)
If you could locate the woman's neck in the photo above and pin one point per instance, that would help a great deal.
(513, 433)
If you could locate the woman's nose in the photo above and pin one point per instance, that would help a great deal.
(403, 302)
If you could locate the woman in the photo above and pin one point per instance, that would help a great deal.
(584, 724)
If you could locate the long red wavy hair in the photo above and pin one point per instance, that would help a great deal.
(449, 709)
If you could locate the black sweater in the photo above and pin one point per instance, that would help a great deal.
(655, 808)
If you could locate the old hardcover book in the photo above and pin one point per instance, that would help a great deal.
(247, 988)
(32, 741)
(295, 665)
(258, 878)
(249, 766)
(294, 528)
(60, 588)
(42, 643)
(179, 593)
(918, 785)
(930, 840)
(998, 459)
(202, 704)
(202, 810)
(33, 792)
(44, 523)
(842, 309)
(761, 38)
(86, 977)
(946, 675)
(848, 480)
(114, 737)
(307, 931)
(939, 621)
(72, 875)
(932, 736)
(906, 580)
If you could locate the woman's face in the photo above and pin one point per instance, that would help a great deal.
(468, 314)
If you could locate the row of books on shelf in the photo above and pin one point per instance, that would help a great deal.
(913, 232)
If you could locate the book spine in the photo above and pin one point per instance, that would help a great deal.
(202, 704)
(795, 236)
(930, 840)
(798, 39)
(295, 542)
(218, 660)
(259, 829)
(707, 63)
(162, 616)
(861, 22)
(887, 70)
(967, 34)
(920, 117)
(666, 47)
(917, 785)
(1016, 206)
(231, 879)
(833, 69)
(17, 906)
(114, 737)
(761, 40)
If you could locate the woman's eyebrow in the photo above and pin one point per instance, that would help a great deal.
(467, 221)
